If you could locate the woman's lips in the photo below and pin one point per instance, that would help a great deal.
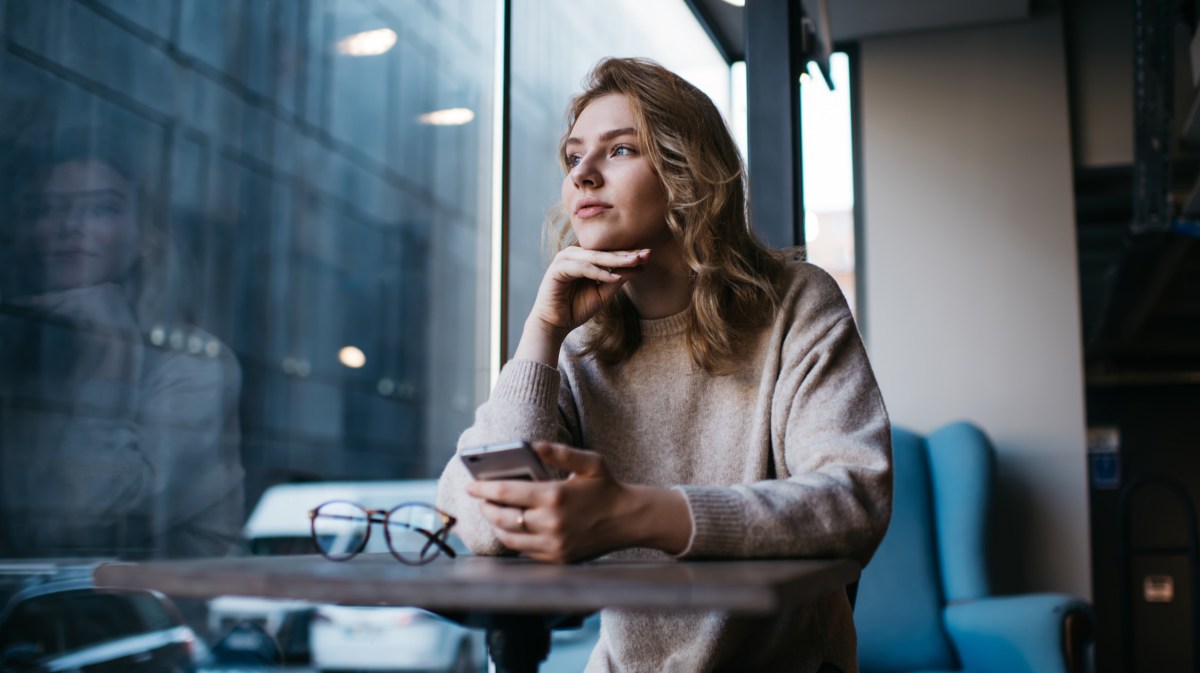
(590, 208)
(68, 255)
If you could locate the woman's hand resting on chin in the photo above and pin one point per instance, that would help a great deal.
(577, 284)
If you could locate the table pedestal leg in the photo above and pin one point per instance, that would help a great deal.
(518, 644)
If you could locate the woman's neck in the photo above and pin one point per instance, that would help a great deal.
(664, 288)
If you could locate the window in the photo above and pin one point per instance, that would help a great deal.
(243, 243)
(246, 243)
(828, 156)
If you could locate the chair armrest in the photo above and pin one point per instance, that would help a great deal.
(1031, 633)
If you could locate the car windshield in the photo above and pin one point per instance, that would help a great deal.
(282, 546)
(66, 621)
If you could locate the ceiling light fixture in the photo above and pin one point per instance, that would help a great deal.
(368, 43)
(352, 357)
(455, 116)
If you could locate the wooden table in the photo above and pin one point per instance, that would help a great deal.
(517, 600)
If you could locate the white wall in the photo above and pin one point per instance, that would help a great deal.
(971, 282)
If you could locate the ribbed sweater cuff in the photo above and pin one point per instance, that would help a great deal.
(527, 382)
(718, 529)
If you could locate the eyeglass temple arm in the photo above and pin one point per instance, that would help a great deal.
(433, 538)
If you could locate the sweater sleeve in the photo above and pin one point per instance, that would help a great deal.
(523, 405)
(191, 431)
(159, 474)
(831, 450)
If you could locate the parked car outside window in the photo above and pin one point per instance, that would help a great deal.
(54, 619)
(330, 637)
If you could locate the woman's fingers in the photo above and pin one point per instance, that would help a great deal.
(575, 262)
(560, 304)
(555, 521)
(521, 530)
(507, 492)
(572, 269)
(511, 519)
(605, 258)
(568, 459)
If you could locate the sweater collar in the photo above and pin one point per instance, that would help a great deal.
(663, 327)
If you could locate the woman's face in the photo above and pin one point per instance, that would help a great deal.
(612, 194)
(85, 229)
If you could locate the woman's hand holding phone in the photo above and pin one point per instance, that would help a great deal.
(584, 516)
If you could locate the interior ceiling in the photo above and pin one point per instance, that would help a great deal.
(1140, 294)
(855, 19)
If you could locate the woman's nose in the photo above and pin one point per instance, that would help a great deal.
(586, 173)
(72, 221)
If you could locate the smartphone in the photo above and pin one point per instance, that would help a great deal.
(507, 460)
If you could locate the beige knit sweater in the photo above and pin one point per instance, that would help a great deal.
(791, 457)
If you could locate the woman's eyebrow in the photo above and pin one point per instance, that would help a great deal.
(606, 136)
(86, 193)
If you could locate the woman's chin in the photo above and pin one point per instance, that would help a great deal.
(606, 244)
(596, 237)
(62, 280)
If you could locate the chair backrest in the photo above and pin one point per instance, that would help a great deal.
(961, 463)
(932, 553)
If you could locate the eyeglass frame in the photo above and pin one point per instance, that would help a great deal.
(382, 517)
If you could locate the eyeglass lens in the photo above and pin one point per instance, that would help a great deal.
(412, 531)
(340, 529)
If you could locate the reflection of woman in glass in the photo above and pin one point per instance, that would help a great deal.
(110, 445)
(720, 390)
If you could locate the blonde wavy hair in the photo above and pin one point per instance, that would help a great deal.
(734, 276)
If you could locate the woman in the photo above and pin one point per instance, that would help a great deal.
(109, 445)
(717, 394)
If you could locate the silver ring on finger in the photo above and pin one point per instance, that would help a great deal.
(521, 521)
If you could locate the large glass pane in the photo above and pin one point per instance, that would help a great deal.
(554, 46)
(243, 243)
(829, 174)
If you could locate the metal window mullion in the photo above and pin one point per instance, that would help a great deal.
(773, 67)
(501, 126)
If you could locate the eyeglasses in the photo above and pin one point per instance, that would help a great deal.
(416, 532)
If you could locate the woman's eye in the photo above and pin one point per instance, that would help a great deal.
(57, 210)
(571, 160)
(622, 151)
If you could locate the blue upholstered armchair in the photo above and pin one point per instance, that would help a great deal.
(924, 603)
